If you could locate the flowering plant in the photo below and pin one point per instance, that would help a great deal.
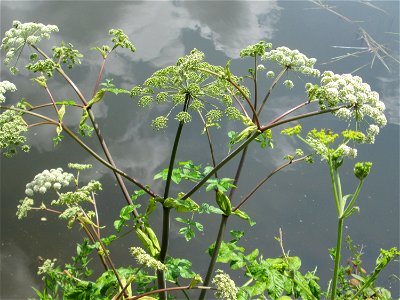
(197, 89)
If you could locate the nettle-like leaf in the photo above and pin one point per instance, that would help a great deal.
(191, 78)
(189, 231)
(178, 268)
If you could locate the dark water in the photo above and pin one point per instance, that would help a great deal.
(297, 200)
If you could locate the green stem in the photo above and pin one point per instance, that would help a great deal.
(271, 88)
(97, 130)
(339, 190)
(337, 257)
(334, 188)
(224, 220)
(177, 288)
(220, 165)
(86, 147)
(266, 179)
(107, 164)
(353, 199)
(166, 210)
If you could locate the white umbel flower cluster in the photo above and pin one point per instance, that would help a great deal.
(145, 259)
(55, 178)
(226, 288)
(24, 33)
(347, 151)
(4, 87)
(47, 267)
(372, 132)
(351, 90)
(294, 60)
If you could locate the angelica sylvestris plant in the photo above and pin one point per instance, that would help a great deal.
(192, 90)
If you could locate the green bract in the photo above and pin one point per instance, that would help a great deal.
(191, 80)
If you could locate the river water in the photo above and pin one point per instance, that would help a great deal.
(298, 200)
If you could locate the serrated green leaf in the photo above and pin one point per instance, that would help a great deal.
(294, 263)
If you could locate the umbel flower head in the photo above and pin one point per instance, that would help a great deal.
(293, 60)
(4, 87)
(226, 288)
(12, 130)
(145, 259)
(359, 102)
(48, 179)
(191, 82)
(22, 34)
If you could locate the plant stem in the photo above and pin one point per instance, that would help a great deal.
(266, 179)
(224, 220)
(97, 130)
(334, 188)
(166, 210)
(96, 86)
(337, 257)
(86, 147)
(238, 172)
(271, 88)
(176, 288)
(52, 99)
(353, 199)
(107, 164)
(220, 165)
(255, 84)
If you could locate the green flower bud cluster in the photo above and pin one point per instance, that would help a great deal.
(226, 288)
(70, 214)
(120, 39)
(12, 129)
(24, 33)
(147, 260)
(293, 59)
(67, 55)
(362, 169)
(258, 49)
(49, 179)
(232, 113)
(196, 105)
(160, 122)
(270, 74)
(188, 78)
(83, 194)
(4, 87)
(145, 101)
(320, 140)
(23, 208)
(183, 117)
(288, 83)
(46, 66)
(214, 116)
